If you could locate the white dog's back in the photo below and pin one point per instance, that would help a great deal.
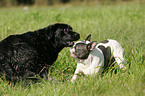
(116, 51)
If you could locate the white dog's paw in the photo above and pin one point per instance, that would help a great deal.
(123, 69)
(72, 80)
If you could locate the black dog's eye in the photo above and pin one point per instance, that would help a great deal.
(64, 30)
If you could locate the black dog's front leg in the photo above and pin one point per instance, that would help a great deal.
(44, 73)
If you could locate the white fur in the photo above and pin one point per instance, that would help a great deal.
(95, 62)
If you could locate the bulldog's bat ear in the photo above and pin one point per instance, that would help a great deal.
(88, 38)
(92, 45)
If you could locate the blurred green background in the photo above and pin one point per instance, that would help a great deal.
(8, 3)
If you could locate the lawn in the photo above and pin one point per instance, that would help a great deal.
(124, 23)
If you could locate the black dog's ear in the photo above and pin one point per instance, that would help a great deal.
(88, 38)
(92, 45)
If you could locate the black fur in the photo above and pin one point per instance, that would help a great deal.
(108, 59)
(104, 41)
(31, 53)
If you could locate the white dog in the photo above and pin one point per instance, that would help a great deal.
(94, 57)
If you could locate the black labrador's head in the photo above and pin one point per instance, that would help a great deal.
(63, 34)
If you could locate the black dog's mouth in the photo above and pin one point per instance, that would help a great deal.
(69, 43)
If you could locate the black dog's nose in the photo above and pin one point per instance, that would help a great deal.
(77, 35)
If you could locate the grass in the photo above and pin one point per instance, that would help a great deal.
(124, 23)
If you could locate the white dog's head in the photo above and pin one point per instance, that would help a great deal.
(82, 49)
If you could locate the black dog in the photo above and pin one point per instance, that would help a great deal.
(31, 53)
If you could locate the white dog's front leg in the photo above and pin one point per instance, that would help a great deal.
(75, 75)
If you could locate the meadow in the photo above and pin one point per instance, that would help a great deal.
(124, 23)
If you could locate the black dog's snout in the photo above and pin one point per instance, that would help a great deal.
(77, 35)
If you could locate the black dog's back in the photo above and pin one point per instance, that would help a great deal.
(17, 56)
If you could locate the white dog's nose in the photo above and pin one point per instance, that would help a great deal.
(72, 50)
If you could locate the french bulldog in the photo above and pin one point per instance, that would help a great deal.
(94, 57)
